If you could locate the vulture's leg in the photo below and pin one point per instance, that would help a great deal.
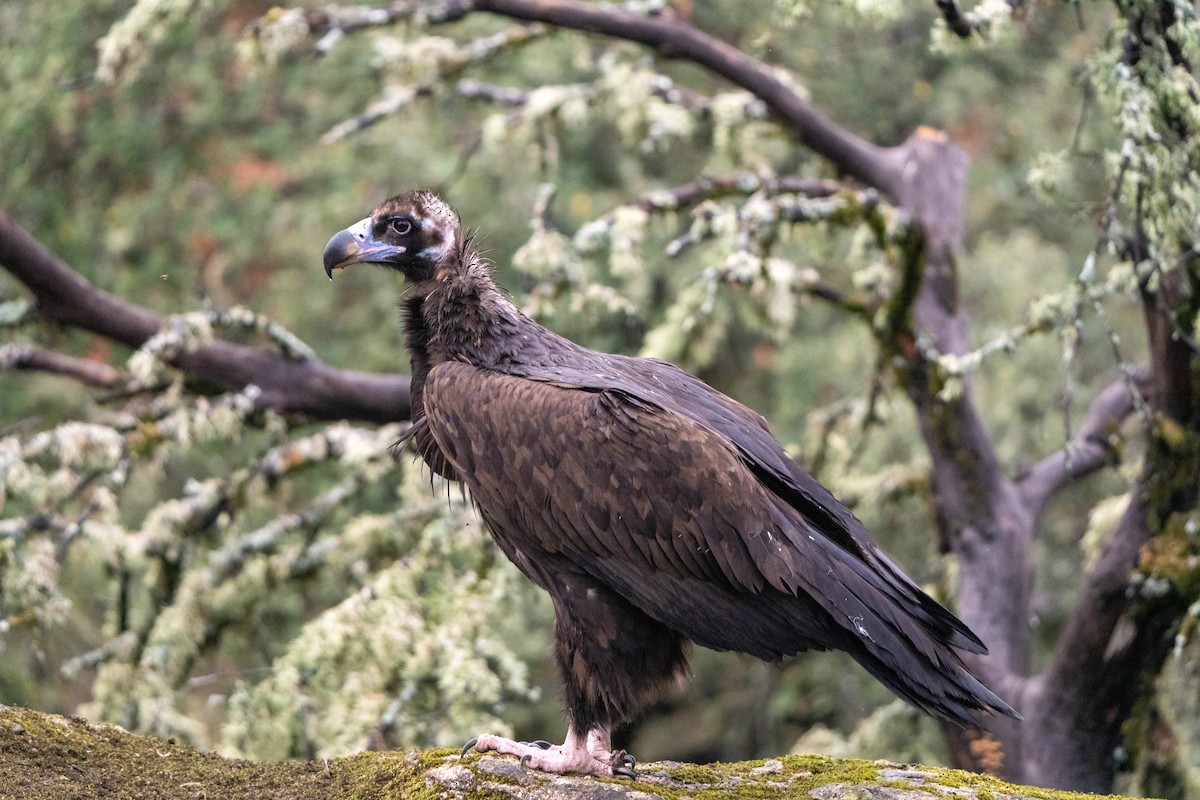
(589, 755)
(613, 659)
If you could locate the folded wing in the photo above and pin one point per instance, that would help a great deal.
(681, 500)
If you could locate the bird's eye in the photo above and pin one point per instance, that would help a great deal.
(401, 227)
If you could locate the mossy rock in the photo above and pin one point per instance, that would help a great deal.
(49, 757)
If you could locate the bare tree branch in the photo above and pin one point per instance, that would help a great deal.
(1092, 448)
(93, 373)
(307, 387)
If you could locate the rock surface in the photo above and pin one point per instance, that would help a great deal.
(44, 756)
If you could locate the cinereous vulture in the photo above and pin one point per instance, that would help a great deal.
(655, 510)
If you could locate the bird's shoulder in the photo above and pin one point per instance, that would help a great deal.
(595, 474)
(544, 409)
(662, 401)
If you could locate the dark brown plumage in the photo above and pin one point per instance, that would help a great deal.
(655, 510)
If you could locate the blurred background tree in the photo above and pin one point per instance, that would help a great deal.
(186, 554)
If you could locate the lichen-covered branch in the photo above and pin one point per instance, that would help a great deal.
(306, 386)
(438, 66)
(37, 359)
(674, 37)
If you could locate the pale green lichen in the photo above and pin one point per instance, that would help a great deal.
(235, 567)
(12, 314)
(734, 116)
(123, 49)
(626, 234)
(416, 650)
(1102, 521)
(1048, 174)
(182, 333)
(695, 325)
(636, 98)
(991, 22)
(30, 584)
(242, 318)
(547, 253)
(779, 292)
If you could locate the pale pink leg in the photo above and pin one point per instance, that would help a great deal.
(588, 755)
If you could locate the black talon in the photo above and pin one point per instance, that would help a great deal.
(525, 759)
(542, 743)
(624, 772)
(467, 747)
(628, 760)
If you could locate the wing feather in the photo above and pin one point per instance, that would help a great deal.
(647, 488)
(650, 383)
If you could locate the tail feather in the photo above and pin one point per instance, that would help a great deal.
(947, 691)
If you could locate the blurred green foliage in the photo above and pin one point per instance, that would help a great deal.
(198, 177)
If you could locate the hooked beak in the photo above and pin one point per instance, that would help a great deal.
(356, 245)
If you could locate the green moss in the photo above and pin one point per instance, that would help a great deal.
(1172, 483)
(1174, 555)
(48, 757)
(695, 775)
(984, 787)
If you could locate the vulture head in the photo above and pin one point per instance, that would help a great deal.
(411, 232)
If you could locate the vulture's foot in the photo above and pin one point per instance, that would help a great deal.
(590, 755)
